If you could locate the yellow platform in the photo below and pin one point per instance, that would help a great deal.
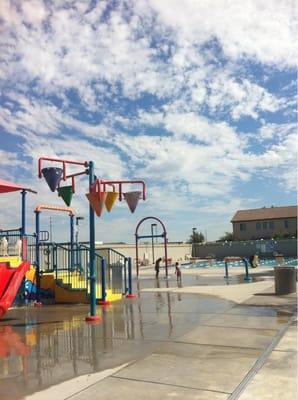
(75, 293)
(14, 261)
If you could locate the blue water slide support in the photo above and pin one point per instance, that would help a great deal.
(23, 228)
(103, 279)
(37, 253)
(129, 263)
(71, 242)
(226, 270)
(247, 277)
(92, 272)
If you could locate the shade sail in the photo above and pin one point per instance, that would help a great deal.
(6, 187)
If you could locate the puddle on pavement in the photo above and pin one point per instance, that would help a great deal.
(41, 347)
(196, 279)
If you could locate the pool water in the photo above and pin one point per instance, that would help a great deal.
(268, 262)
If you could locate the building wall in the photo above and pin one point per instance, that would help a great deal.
(176, 251)
(265, 248)
(251, 231)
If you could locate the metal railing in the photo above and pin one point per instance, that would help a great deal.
(70, 265)
(116, 271)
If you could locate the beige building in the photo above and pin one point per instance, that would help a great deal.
(263, 223)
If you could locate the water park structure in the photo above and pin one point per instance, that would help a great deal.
(152, 236)
(69, 272)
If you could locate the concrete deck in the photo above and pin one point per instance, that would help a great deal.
(208, 338)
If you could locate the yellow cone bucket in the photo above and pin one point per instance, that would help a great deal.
(111, 200)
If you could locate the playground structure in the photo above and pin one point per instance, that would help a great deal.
(58, 270)
(152, 236)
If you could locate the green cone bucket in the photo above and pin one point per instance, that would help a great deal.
(66, 193)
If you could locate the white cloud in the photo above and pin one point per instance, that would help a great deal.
(260, 31)
(151, 89)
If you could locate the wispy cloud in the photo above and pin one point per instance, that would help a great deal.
(194, 97)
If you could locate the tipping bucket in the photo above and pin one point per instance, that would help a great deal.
(53, 176)
(111, 200)
(97, 201)
(66, 193)
(132, 199)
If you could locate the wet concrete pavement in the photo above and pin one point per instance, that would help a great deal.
(166, 345)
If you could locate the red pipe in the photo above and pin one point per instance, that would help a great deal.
(137, 255)
(120, 183)
(85, 164)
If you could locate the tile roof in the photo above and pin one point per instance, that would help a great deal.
(265, 213)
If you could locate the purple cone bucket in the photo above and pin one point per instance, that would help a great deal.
(52, 176)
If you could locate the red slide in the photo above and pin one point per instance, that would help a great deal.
(10, 281)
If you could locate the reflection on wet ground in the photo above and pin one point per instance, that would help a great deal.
(40, 347)
(198, 279)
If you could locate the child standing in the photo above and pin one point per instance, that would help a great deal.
(178, 272)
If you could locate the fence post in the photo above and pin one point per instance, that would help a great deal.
(130, 295)
(37, 258)
(103, 301)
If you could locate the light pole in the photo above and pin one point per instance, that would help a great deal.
(152, 242)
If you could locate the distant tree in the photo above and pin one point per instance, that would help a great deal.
(196, 237)
(287, 235)
(228, 236)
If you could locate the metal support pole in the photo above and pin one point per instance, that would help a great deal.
(129, 276)
(23, 229)
(103, 301)
(92, 272)
(137, 255)
(227, 270)
(103, 280)
(130, 294)
(37, 258)
(71, 217)
(152, 243)
(247, 277)
(166, 252)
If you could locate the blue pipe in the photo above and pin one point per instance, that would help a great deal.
(129, 276)
(103, 279)
(247, 277)
(37, 259)
(150, 236)
(92, 276)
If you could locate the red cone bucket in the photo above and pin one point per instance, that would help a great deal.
(97, 201)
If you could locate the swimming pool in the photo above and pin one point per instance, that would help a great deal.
(269, 262)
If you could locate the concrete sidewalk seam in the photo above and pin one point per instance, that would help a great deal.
(169, 384)
(259, 362)
(239, 327)
(218, 345)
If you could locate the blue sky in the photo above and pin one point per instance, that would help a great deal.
(195, 97)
